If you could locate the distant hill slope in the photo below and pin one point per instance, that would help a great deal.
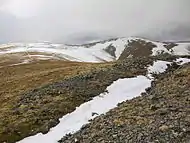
(103, 51)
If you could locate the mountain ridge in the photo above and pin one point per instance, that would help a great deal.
(102, 51)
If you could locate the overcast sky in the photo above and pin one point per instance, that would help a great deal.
(77, 21)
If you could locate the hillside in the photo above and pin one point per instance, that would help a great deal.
(159, 115)
(104, 51)
(42, 83)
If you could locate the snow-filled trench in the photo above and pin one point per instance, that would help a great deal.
(121, 90)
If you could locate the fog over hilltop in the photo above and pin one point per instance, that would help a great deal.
(81, 21)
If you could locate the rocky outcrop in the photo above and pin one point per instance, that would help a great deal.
(137, 48)
(111, 50)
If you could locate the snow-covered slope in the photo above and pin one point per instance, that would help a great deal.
(109, 50)
(96, 53)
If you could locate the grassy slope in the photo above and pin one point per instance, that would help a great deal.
(15, 80)
(62, 86)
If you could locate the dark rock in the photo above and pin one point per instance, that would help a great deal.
(94, 114)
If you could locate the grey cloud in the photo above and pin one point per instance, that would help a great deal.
(85, 20)
(7, 27)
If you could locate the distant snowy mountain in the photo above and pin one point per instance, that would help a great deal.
(103, 51)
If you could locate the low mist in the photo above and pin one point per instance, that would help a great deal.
(81, 21)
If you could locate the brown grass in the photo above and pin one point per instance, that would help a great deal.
(16, 58)
(18, 78)
(14, 80)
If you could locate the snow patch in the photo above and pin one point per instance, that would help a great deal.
(182, 61)
(157, 68)
(41, 57)
(181, 49)
(159, 49)
(161, 66)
